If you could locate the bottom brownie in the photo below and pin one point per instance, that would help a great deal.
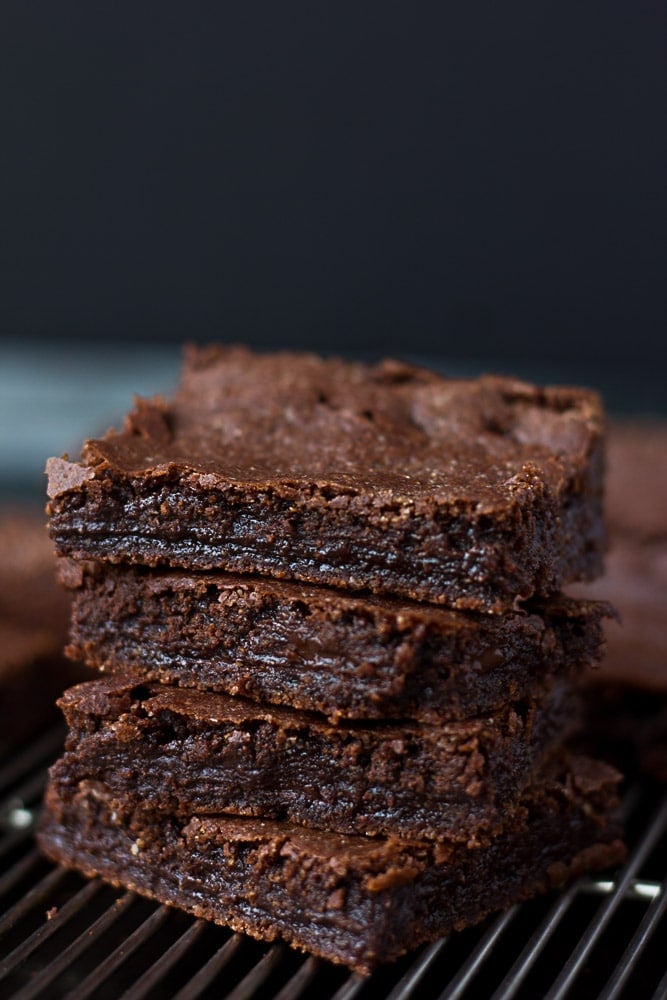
(355, 900)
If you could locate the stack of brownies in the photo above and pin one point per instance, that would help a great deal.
(338, 671)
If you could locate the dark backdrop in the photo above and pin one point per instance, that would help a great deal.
(468, 179)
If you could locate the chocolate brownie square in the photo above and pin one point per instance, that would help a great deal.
(390, 478)
(627, 698)
(194, 752)
(353, 900)
(324, 650)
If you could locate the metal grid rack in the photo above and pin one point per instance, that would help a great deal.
(62, 936)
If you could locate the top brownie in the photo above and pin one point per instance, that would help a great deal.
(471, 493)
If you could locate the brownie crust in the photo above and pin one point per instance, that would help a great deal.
(318, 649)
(391, 478)
(200, 753)
(367, 900)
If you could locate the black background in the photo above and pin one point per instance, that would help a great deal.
(466, 180)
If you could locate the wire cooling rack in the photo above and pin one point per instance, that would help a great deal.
(62, 936)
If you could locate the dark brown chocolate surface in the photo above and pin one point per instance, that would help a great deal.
(197, 752)
(324, 650)
(354, 900)
(389, 478)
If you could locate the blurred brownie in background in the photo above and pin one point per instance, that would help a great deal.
(627, 697)
(33, 625)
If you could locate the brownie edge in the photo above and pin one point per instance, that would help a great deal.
(368, 900)
(390, 478)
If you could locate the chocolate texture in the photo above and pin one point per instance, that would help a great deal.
(324, 650)
(197, 752)
(353, 900)
(471, 493)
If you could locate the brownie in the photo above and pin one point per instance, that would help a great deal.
(34, 613)
(391, 478)
(626, 701)
(355, 900)
(29, 595)
(627, 725)
(32, 675)
(636, 487)
(320, 649)
(636, 575)
(197, 752)
(636, 643)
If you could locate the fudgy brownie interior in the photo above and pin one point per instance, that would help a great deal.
(356, 900)
(199, 752)
(472, 493)
(324, 650)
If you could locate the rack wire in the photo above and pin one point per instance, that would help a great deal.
(67, 938)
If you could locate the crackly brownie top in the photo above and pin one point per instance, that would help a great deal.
(392, 428)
